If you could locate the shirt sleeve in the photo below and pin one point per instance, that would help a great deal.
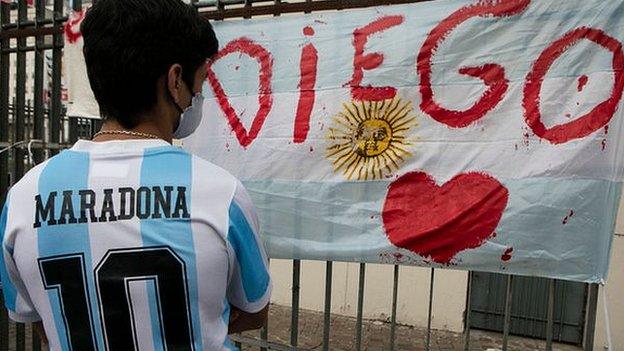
(249, 287)
(16, 299)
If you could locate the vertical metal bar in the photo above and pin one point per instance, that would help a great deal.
(20, 337)
(524, 294)
(264, 332)
(564, 298)
(57, 52)
(29, 130)
(247, 9)
(19, 116)
(550, 317)
(277, 7)
(428, 340)
(294, 315)
(39, 114)
(605, 306)
(328, 294)
(36, 342)
(360, 308)
(4, 326)
(467, 313)
(590, 327)
(220, 9)
(5, 17)
(264, 335)
(395, 290)
(508, 298)
(74, 129)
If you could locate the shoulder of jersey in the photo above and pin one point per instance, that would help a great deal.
(29, 183)
(214, 175)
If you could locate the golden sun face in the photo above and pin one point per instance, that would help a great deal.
(369, 138)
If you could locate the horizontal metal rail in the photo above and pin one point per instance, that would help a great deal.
(30, 32)
(296, 7)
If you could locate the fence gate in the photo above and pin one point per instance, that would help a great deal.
(529, 307)
(34, 126)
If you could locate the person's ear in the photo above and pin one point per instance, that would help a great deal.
(174, 82)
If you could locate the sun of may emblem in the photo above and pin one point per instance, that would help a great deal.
(369, 138)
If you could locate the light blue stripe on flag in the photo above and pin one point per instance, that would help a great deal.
(168, 166)
(69, 170)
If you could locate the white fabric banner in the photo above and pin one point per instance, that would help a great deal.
(474, 135)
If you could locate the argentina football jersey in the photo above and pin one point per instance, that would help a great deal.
(131, 245)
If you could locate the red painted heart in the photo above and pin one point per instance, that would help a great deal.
(265, 100)
(440, 221)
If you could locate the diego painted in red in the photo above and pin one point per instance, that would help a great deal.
(493, 75)
(595, 119)
(370, 61)
(307, 94)
(440, 221)
(265, 99)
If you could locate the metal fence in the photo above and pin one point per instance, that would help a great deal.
(33, 127)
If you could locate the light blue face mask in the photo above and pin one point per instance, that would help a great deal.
(190, 117)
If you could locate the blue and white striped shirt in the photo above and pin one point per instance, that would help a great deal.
(131, 244)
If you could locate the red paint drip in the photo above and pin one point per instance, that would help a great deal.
(308, 31)
(582, 81)
(606, 129)
(438, 222)
(370, 61)
(492, 75)
(567, 217)
(398, 256)
(507, 254)
(603, 144)
(568, 115)
(599, 115)
(525, 139)
(307, 95)
(265, 61)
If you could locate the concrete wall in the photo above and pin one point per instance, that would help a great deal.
(449, 292)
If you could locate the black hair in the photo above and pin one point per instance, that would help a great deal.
(130, 44)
